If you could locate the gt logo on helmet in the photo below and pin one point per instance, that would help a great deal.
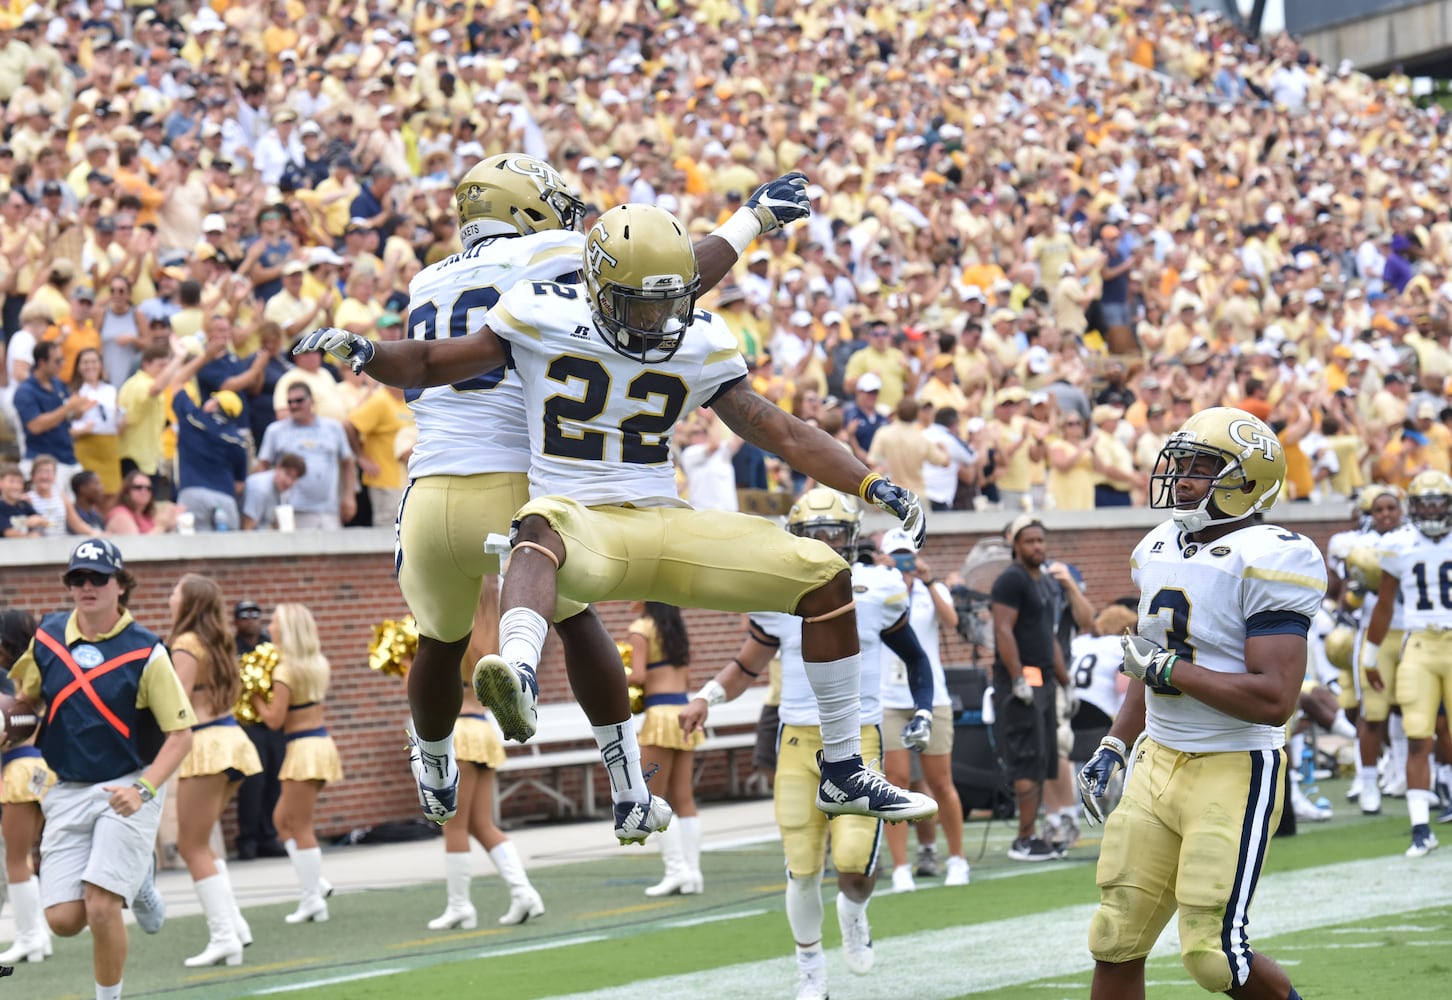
(1248, 434)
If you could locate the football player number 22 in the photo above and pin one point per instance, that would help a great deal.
(1177, 634)
(644, 436)
(423, 324)
(1443, 586)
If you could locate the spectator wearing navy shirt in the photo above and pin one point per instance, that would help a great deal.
(860, 416)
(46, 408)
(229, 371)
(211, 458)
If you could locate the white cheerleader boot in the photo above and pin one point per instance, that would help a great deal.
(239, 922)
(524, 901)
(691, 855)
(313, 908)
(673, 852)
(223, 946)
(460, 912)
(32, 936)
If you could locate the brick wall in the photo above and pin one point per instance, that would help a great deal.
(347, 581)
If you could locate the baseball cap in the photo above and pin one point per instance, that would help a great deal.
(214, 223)
(869, 382)
(1017, 526)
(896, 540)
(1103, 412)
(98, 555)
(322, 255)
(294, 267)
(246, 609)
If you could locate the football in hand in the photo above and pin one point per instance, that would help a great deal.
(18, 720)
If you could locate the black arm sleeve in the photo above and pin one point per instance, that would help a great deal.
(904, 642)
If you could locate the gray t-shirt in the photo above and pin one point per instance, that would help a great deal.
(322, 445)
(260, 499)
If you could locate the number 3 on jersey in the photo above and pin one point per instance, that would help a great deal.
(423, 324)
(1177, 631)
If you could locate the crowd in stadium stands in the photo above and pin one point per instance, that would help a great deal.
(1044, 234)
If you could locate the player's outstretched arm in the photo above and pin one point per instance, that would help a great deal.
(728, 683)
(813, 451)
(776, 204)
(410, 364)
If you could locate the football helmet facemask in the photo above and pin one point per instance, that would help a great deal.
(642, 279)
(513, 195)
(828, 516)
(1429, 503)
(1249, 469)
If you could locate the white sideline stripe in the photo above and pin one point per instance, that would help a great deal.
(928, 965)
(715, 918)
(330, 981)
(544, 946)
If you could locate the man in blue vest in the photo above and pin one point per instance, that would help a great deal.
(117, 724)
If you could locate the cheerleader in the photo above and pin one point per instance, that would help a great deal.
(299, 685)
(24, 780)
(479, 750)
(205, 658)
(660, 653)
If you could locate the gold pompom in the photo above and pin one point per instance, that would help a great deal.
(393, 647)
(637, 693)
(257, 668)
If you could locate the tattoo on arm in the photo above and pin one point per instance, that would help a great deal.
(752, 416)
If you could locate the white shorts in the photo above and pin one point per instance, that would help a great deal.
(87, 841)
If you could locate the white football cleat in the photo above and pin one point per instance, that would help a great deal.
(902, 879)
(851, 788)
(1424, 841)
(958, 871)
(856, 942)
(812, 980)
(511, 692)
(634, 821)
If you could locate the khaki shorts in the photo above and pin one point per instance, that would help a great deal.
(86, 841)
(941, 742)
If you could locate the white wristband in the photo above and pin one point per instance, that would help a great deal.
(1369, 650)
(1116, 744)
(712, 693)
(739, 230)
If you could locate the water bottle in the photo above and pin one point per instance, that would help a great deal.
(219, 520)
(1308, 767)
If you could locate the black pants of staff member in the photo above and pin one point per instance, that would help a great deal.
(258, 796)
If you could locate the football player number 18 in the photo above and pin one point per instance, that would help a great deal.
(1443, 586)
(1177, 633)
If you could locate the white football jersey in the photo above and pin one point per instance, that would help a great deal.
(923, 618)
(477, 426)
(600, 423)
(881, 599)
(1393, 541)
(1202, 601)
(1094, 670)
(1424, 567)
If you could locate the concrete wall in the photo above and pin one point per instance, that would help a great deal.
(1375, 41)
(346, 578)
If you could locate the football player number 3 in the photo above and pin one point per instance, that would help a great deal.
(644, 436)
(1177, 632)
(1441, 587)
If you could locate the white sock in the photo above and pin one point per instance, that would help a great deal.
(439, 769)
(1342, 726)
(1398, 740)
(838, 687)
(1419, 805)
(522, 636)
(1294, 748)
(1444, 774)
(621, 753)
(108, 992)
(804, 910)
(849, 907)
(811, 957)
(1367, 774)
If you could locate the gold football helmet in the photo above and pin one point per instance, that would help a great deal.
(1369, 496)
(1340, 644)
(513, 195)
(828, 516)
(642, 278)
(1235, 453)
(1363, 568)
(1429, 503)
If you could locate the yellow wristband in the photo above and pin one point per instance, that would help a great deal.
(871, 478)
(141, 780)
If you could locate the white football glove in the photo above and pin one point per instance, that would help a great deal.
(1145, 661)
(345, 346)
(1094, 779)
(918, 731)
(1023, 690)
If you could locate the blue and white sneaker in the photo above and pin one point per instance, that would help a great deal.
(1424, 841)
(439, 804)
(1445, 816)
(850, 788)
(148, 907)
(511, 692)
(634, 821)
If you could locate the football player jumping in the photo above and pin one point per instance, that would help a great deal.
(517, 221)
(607, 369)
(882, 617)
(1419, 573)
(1225, 607)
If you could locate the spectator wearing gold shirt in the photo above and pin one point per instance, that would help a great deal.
(900, 449)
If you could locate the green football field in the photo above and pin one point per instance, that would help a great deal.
(1338, 905)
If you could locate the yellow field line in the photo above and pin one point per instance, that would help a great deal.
(238, 970)
(622, 910)
(460, 936)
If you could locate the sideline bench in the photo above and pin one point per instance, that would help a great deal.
(563, 740)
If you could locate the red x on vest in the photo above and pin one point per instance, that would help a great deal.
(83, 679)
